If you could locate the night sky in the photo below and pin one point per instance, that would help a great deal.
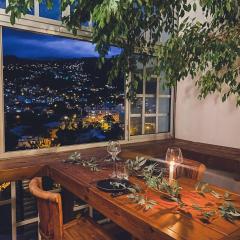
(24, 44)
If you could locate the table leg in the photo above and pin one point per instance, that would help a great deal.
(67, 205)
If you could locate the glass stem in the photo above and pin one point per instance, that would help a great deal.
(115, 165)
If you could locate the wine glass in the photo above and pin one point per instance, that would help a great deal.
(174, 154)
(173, 157)
(114, 149)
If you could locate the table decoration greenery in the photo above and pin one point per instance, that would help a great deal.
(76, 159)
(135, 166)
(137, 195)
(156, 180)
(202, 188)
(172, 191)
(229, 211)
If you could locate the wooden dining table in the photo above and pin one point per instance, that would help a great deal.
(165, 221)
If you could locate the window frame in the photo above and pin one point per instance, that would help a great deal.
(155, 115)
(37, 24)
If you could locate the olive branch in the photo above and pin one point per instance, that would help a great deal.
(76, 159)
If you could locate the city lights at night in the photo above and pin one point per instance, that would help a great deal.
(55, 93)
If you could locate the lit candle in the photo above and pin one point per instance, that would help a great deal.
(171, 171)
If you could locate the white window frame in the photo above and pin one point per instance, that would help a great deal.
(156, 115)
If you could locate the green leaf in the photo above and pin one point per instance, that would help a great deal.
(194, 7)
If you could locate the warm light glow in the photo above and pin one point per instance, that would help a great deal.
(171, 170)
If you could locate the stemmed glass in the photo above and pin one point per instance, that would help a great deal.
(114, 149)
(173, 157)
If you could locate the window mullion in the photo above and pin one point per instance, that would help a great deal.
(36, 8)
(157, 102)
(2, 130)
(127, 108)
(143, 100)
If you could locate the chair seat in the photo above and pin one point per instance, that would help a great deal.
(84, 229)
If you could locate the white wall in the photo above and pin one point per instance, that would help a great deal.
(208, 120)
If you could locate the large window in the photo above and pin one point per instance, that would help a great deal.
(55, 94)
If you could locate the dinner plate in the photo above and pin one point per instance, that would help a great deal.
(107, 185)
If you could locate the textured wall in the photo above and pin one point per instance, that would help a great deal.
(208, 120)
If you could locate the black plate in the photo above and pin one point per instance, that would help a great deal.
(106, 186)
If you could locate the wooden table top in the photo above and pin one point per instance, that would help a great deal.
(159, 223)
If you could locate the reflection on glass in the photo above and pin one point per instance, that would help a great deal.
(139, 65)
(152, 62)
(136, 106)
(150, 105)
(150, 125)
(138, 76)
(30, 11)
(164, 105)
(53, 13)
(151, 86)
(136, 126)
(3, 4)
(163, 89)
(73, 8)
(114, 149)
(163, 124)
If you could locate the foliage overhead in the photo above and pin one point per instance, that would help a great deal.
(207, 50)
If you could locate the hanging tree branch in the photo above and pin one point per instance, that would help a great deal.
(208, 49)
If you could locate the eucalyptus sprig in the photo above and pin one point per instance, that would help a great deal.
(136, 166)
(142, 200)
(159, 183)
(206, 215)
(202, 188)
(91, 164)
(76, 158)
(229, 211)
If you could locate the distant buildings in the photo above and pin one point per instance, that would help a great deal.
(40, 93)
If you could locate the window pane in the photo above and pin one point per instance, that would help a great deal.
(151, 86)
(138, 76)
(152, 62)
(30, 11)
(56, 95)
(28, 232)
(136, 107)
(5, 222)
(136, 126)
(150, 105)
(73, 7)
(150, 125)
(2, 3)
(163, 89)
(163, 124)
(53, 13)
(164, 105)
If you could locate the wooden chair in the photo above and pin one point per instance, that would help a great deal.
(51, 225)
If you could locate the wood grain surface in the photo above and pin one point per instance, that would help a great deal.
(161, 222)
